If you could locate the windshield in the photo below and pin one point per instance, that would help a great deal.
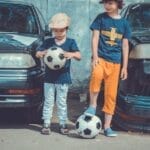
(17, 18)
(139, 18)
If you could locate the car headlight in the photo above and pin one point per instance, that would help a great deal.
(16, 60)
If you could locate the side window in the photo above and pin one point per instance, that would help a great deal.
(139, 17)
(41, 18)
(145, 16)
(134, 18)
(123, 12)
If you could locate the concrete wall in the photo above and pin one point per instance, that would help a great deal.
(82, 13)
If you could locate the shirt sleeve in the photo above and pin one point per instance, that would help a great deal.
(127, 33)
(96, 24)
(43, 46)
(74, 47)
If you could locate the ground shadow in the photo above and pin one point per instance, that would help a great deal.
(15, 119)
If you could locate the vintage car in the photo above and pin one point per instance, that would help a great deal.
(22, 30)
(133, 107)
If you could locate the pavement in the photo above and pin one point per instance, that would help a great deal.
(15, 134)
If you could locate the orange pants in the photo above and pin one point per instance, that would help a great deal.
(109, 72)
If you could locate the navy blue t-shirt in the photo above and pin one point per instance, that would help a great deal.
(61, 76)
(112, 32)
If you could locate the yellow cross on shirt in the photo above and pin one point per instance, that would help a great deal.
(113, 35)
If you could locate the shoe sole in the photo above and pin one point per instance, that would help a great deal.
(46, 132)
(114, 135)
(88, 114)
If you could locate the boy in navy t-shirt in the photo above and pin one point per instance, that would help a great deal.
(58, 80)
(109, 48)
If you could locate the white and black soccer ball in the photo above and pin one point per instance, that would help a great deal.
(88, 126)
(54, 58)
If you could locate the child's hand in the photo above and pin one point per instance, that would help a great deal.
(95, 61)
(124, 74)
(40, 54)
(68, 55)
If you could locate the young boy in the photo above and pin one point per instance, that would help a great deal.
(58, 81)
(109, 43)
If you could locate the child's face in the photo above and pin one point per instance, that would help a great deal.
(59, 34)
(111, 6)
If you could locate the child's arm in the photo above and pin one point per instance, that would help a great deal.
(95, 40)
(125, 52)
(74, 51)
(76, 55)
(42, 49)
(40, 54)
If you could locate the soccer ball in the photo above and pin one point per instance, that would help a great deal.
(88, 126)
(54, 58)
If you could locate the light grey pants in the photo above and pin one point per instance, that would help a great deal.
(61, 102)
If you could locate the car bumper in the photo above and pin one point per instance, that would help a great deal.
(133, 113)
(15, 83)
(20, 101)
(131, 123)
(135, 105)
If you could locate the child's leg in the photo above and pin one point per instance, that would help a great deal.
(49, 94)
(95, 85)
(110, 89)
(108, 119)
(61, 101)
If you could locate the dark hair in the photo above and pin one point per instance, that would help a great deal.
(120, 2)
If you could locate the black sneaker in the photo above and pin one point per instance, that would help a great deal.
(46, 129)
(63, 129)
